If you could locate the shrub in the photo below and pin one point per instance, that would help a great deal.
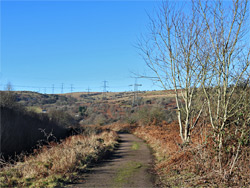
(157, 115)
(8, 99)
(100, 119)
(147, 115)
(62, 118)
(131, 119)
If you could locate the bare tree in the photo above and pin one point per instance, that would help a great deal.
(205, 47)
(224, 56)
(7, 98)
(169, 51)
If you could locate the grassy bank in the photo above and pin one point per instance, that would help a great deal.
(193, 165)
(57, 164)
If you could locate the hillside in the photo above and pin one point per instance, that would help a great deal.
(150, 116)
(93, 107)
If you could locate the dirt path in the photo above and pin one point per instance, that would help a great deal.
(129, 166)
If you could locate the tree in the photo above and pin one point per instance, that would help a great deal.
(205, 48)
(7, 97)
(169, 51)
(224, 56)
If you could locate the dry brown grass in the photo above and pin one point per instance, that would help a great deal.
(164, 139)
(57, 164)
(193, 165)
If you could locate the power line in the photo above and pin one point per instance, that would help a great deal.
(135, 97)
(88, 90)
(131, 85)
(62, 88)
(104, 89)
(71, 88)
(53, 87)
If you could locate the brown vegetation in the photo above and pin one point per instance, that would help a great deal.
(192, 165)
(56, 164)
(154, 120)
(20, 131)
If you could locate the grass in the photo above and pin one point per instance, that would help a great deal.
(135, 146)
(57, 164)
(126, 172)
(34, 109)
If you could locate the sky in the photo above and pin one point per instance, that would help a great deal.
(77, 44)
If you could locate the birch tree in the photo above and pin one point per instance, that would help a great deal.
(169, 51)
(225, 60)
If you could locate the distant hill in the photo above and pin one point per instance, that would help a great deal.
(96, 107)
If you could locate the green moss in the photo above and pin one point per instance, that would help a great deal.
(135, 146)
(126, 172)
(51, 181)
(2, 178)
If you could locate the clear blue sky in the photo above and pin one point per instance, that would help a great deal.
(72, 42)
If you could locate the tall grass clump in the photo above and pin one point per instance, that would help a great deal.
(56, 164)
